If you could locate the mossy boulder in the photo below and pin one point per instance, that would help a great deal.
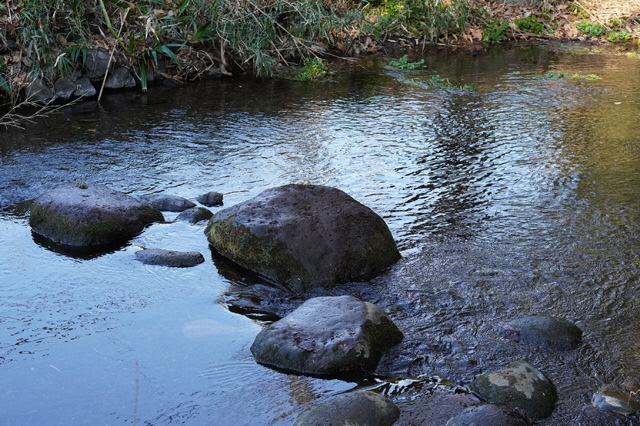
(304, 236)
(328, 336)
(359, 408)
(89, 215)
(519, 386)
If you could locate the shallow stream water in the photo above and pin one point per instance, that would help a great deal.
(521, 198)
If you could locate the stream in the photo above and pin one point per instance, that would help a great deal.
(520, 198)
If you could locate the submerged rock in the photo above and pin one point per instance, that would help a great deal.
(615, 401)
(210, 199)
(544, 332)
(169, 257)
(359, 408)
(304, 236)
(489, 415)
(89, 215)
(195, 215)
(168, 203)
(327, 336)
(519, 386)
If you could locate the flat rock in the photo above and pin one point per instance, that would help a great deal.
(195, 215)
(519, 386)
(358, 408)
(168, 203)
(327, 336)
(304, 236)
(544, 332)
(89, 215)
(169, 257)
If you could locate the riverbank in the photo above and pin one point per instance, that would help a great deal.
(63, 50)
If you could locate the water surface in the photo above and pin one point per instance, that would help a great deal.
(521, 198)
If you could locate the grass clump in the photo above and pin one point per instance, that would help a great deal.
(567, 75)
(314, 68)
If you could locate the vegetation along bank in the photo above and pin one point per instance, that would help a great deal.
(70, 48)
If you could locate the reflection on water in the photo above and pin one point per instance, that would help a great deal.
(522, 198)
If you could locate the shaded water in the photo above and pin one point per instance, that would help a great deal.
(522, 198)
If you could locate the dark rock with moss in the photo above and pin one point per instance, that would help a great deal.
(328, 336)
(172, 258)
(195, 215)
(168, 203)
(210, 199)
(358, 408)
(519, 386)
(89, 215)
(489, 415)
(304, 236)
(544, 332)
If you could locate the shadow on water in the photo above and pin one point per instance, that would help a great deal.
(520, 199)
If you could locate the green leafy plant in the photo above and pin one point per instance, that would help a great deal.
(530, 24)
(618, 36)
(591, 29)
(567, 75)
(403, 63)
(314, 68)
(578, 11)
(494, 30)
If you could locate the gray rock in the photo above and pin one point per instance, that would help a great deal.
(359, 408)
(615, 401)
(519, 386)
(39, 92)
(210, 199)
(84, 88)
(304, 236)
(64, 88)
(96, 63)
(195, 215)
(489, 415)
(544, 332)
(168, 203)
(327, 336)
(119, 78)
(89, 215)
(169, 257)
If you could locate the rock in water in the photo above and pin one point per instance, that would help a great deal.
(544, 332)
(359, 408)
(519, 386)
(168, 203)
(304, 236)
(181, 259)
(327, 336)
(89, 215)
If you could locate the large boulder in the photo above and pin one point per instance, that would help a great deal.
(519, 386)
(359, 408)
(327, 336)
(304, 236)
(89, 215)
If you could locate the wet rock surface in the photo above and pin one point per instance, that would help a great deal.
(489, 415)
(304, 236)
(519, 386)
(210, 199)
(168, 203)
(359, 408)
(172, 258)
(327, 336)
(544, 332)
(89, 215)
(195, 215)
